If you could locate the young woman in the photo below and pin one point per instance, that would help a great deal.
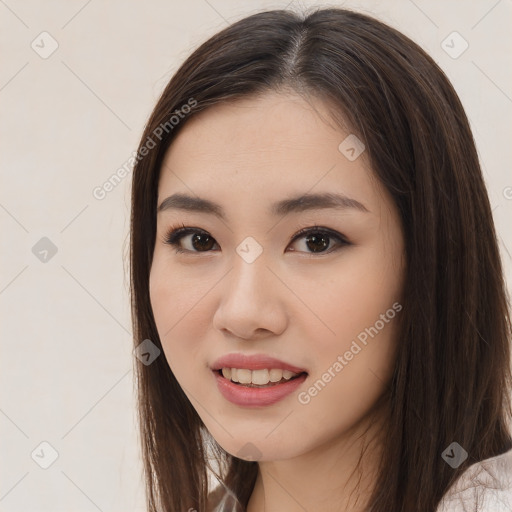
(313, 253)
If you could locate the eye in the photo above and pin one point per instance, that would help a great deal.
(201, 241)
(319, 239)
(316, 239)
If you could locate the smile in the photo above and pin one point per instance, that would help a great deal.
(263, 377)
(256, 395)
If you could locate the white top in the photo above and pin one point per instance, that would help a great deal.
(486, 486)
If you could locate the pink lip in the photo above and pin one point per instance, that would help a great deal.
(253, 362)
(256, 397)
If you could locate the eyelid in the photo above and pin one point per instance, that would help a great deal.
(319, 229)
(176, 233)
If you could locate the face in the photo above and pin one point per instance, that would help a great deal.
(244, 281)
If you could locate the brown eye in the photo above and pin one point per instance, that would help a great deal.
(317, 243)
(319, 240)
(201, 241)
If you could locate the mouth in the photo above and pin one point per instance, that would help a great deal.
(262, 378)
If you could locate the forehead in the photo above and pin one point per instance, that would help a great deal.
(260, 148)
(272, 123)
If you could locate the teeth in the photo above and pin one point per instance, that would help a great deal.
(243, 376)
(258, 377)
(275, 375)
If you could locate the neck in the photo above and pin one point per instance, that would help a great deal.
(337, 476)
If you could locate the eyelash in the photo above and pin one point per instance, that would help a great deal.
(176, 233)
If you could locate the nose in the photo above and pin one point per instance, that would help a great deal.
(251, 301)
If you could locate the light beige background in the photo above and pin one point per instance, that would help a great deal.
(68, 122)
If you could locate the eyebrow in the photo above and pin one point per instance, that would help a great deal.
(294, 204)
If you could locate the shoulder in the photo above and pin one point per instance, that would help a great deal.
(485, 486)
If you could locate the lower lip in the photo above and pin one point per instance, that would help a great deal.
(256, 397)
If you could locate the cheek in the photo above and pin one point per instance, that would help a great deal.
(354, 365)
(177, 293)
(177, 310)
(352, 296)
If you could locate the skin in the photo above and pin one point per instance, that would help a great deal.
(291, 303)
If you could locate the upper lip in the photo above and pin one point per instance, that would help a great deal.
(253, 362)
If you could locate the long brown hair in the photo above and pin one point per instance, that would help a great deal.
(452, 377)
